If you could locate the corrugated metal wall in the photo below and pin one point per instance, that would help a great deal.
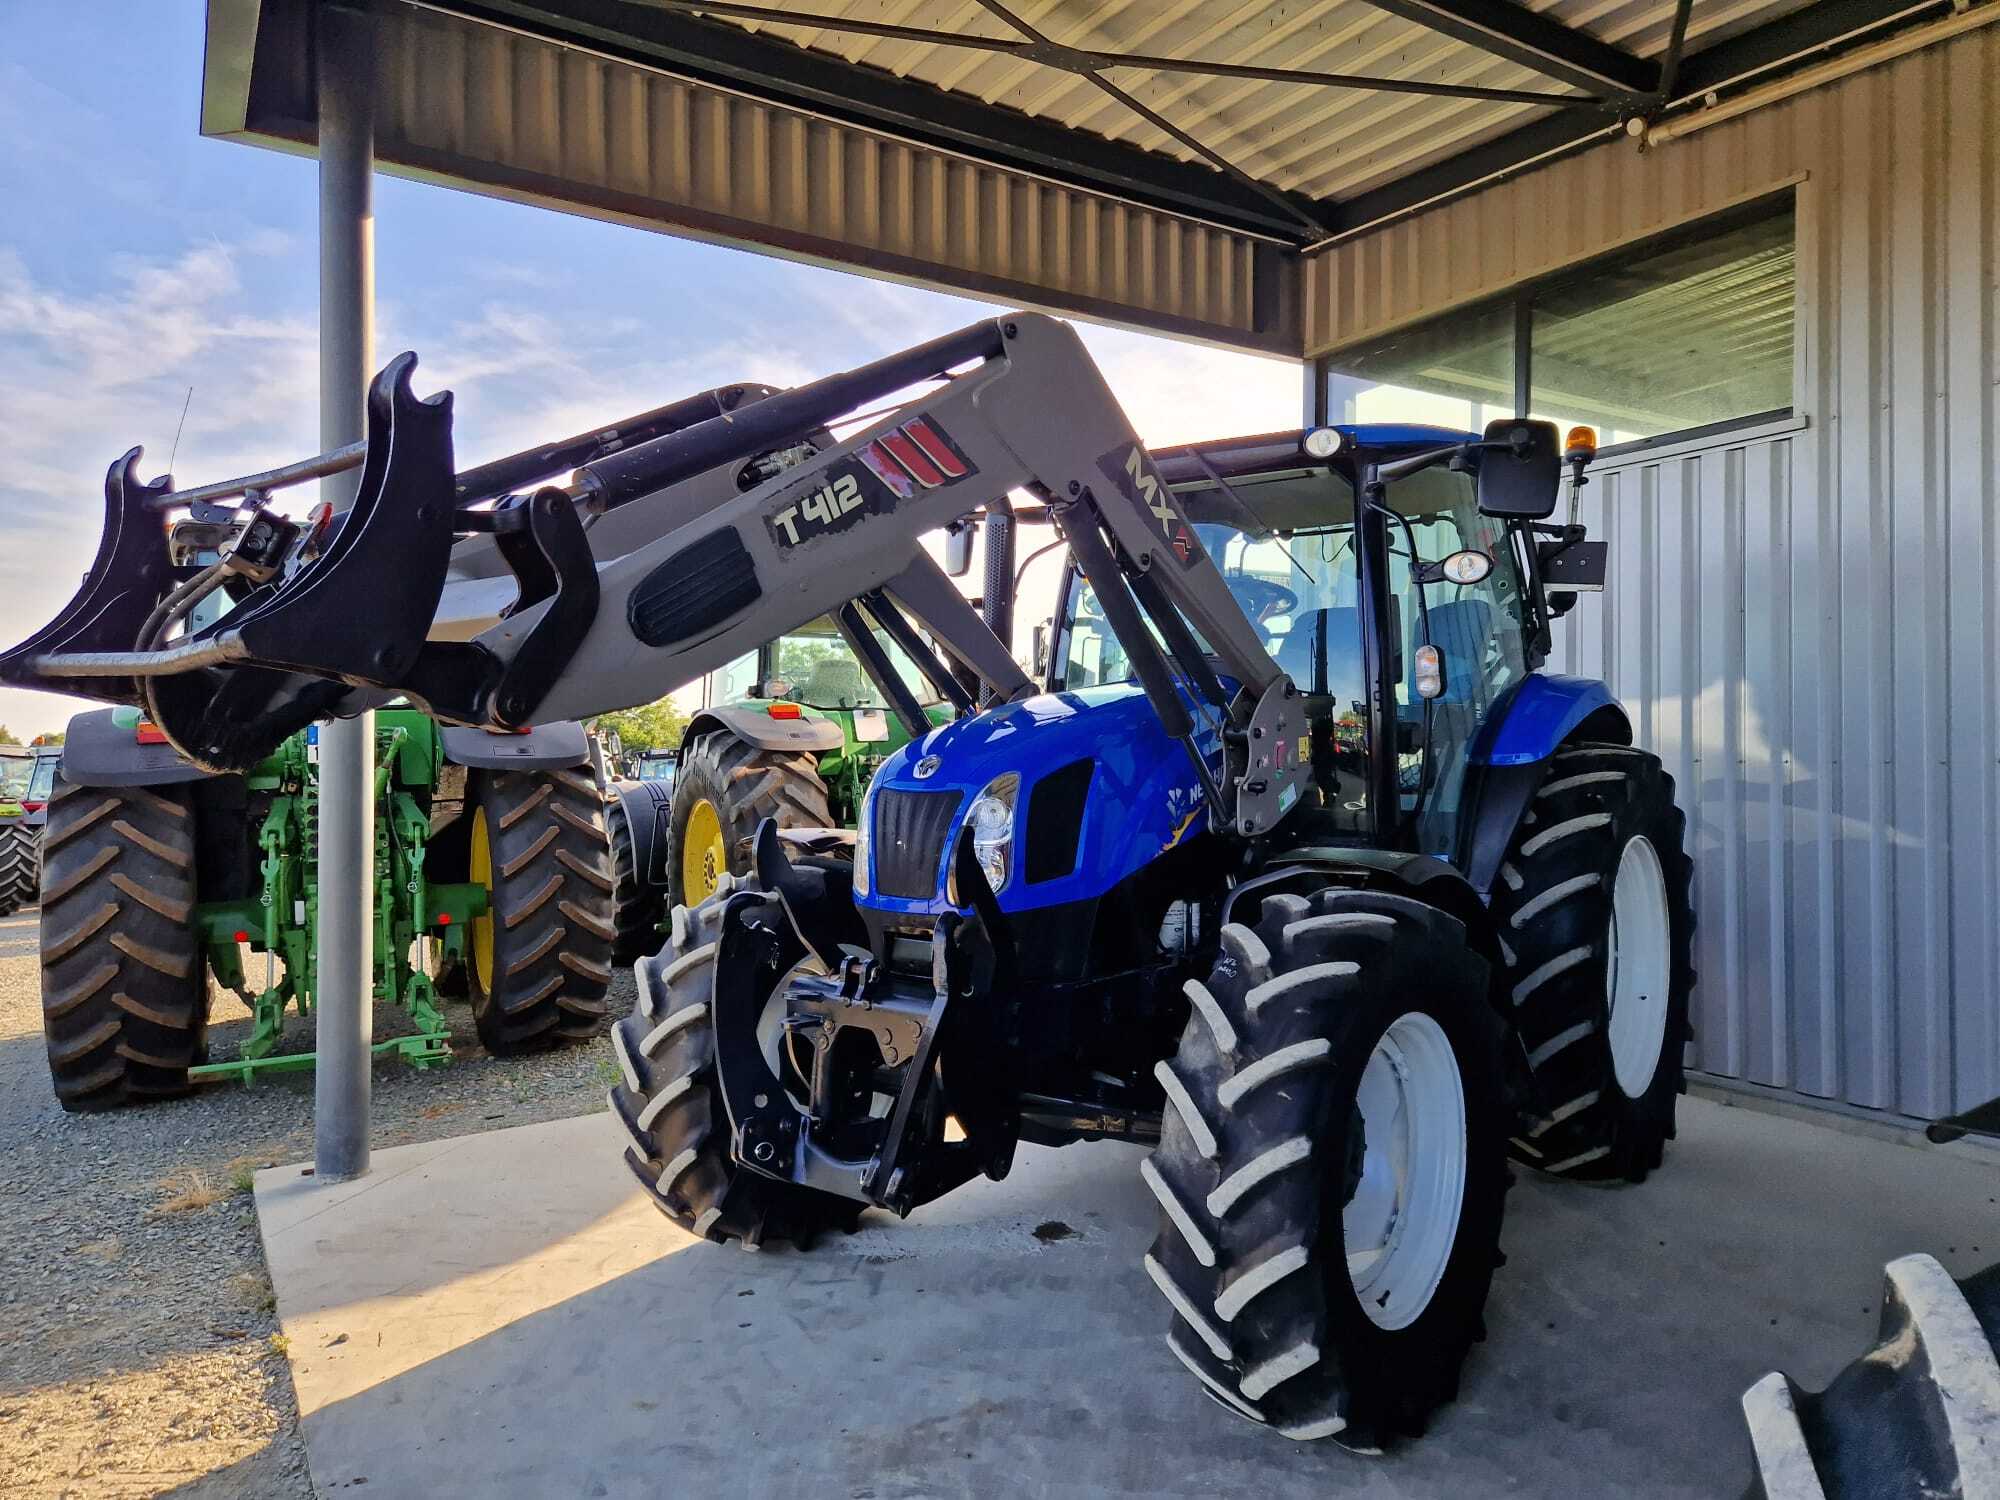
(557, 126)
(1806, 624)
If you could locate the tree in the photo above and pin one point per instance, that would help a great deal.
(650, 726)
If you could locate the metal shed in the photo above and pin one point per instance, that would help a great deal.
(1800, 610)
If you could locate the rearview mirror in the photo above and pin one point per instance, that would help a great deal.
(958, 550)
(1521, 477)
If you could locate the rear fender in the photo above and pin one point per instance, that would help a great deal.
(546, 747)
(1541, 712)
(808, 734)
(101, 749)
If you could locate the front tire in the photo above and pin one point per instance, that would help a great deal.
(670, 1110)
(124, 991)
(541, 954)
(1595, 925)
(1915, 1418)
(1332, 1167)
(724, 788)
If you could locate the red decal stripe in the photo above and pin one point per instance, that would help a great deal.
(878, 463)
(925, 437)
(911, 457)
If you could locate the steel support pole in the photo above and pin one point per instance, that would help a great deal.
(346, 746)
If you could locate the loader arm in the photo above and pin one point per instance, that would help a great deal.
(686, 564)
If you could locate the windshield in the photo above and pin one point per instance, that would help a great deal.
(813, 666)
(656, 769)
(1286, 544)
(15, 771)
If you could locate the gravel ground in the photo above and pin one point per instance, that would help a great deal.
(139, 1349)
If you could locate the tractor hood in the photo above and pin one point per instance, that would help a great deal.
(1103, 792)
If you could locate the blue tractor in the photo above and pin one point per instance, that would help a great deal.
(1292, 866)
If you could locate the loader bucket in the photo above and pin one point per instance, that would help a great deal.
(292, 650)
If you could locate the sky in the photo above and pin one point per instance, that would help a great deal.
(139, 261)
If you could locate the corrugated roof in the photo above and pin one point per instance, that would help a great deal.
(1318, 141)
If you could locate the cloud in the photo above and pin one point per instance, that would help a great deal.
(83, 375)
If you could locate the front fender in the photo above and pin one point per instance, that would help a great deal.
(546, 747)
(808, 734)
(100, 749)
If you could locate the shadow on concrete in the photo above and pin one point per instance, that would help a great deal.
(960, 1354)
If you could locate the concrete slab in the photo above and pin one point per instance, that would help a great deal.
(503, 1315)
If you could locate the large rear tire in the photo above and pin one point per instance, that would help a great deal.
(1595, 924)
(724, 787)
(541, 955)
(124, 992)
(1915, 1418)
(1332, 1167)
(670, 1112)
(20, 865)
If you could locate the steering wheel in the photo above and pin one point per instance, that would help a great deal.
(1260, 598)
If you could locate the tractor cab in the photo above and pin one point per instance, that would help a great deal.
(1463, 620)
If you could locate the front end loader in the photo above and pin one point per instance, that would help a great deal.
(1295, 869)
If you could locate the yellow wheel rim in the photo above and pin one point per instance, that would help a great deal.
(482, 925)
(703, 855)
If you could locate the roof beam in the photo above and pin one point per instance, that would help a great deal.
(1766, 51)
(1521, 35)
(782, 73)
(1086, 60)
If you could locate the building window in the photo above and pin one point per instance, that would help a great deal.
(1692, 331)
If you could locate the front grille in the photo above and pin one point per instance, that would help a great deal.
(907, 841)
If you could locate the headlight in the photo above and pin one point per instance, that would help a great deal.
(866, 818)
(992, 823)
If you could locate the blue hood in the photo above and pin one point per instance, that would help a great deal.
(1144, 795)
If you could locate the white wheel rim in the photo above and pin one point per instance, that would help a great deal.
(1402, 1221)
(1638, 970)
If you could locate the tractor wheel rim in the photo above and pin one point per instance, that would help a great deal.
(1402, 1221)
(1638, 967)
(704, 857)
(482, 925)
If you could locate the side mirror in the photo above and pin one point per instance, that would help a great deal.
(1520, 473)
(958, 550)
(1041, 648)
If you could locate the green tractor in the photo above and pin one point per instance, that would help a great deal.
(796, 733)
(492, 879)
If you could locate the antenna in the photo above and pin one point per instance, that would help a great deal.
(175, 451)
